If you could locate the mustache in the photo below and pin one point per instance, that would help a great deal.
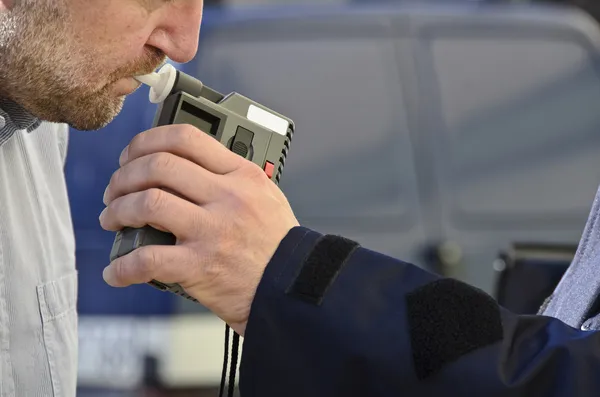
(152, 60)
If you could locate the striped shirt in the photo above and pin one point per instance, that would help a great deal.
(38, 279)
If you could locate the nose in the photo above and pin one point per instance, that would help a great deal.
(177, 30)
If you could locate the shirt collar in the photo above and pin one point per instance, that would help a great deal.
(13, 118)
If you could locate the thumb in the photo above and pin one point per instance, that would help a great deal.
(164, 263)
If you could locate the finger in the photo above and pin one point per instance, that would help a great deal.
(184, 141)
(148, 263)
(165, 171)
(156, 208)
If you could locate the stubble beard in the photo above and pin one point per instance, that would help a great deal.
(57, 79)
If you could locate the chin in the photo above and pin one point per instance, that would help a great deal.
(96, 117)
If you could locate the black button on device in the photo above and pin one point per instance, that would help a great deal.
(241, 141)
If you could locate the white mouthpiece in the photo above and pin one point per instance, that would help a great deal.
(151, 79)
(160, 83)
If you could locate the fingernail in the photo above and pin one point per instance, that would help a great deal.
(123, 156)
(105, 195)
(108, 275)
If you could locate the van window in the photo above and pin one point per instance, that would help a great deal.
(522, 126)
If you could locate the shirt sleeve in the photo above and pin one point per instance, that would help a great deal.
(331, 318)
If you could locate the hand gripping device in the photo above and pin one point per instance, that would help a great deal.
(244, 126)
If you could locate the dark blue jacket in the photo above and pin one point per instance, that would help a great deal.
(333, 319)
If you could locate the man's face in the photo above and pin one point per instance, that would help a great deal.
(72, 61)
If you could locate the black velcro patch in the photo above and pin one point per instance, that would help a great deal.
(447, 320)
(321, 267)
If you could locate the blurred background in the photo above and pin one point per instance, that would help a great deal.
(459, 135)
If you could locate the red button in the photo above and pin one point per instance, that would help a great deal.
(269, 168)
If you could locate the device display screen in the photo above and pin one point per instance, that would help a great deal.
(199, 118)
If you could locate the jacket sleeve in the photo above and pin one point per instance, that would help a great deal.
(331, 318)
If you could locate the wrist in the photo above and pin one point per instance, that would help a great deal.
(281, 269)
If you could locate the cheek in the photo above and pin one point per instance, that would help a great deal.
(129, 46)
(129, 42)
(119, 29)
(114, 52)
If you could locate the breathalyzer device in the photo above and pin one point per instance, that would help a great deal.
(244, 126)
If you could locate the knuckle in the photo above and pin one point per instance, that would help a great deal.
(246, 183)
(152, 201)
(188, 129)
(159, 163)
(211, 267)
(145, 263)
(185, 135)
(254, 173)
(120, 270)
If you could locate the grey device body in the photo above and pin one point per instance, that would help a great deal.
(241, 124)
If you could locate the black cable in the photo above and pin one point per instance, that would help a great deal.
(225, 358)
(234, 360)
